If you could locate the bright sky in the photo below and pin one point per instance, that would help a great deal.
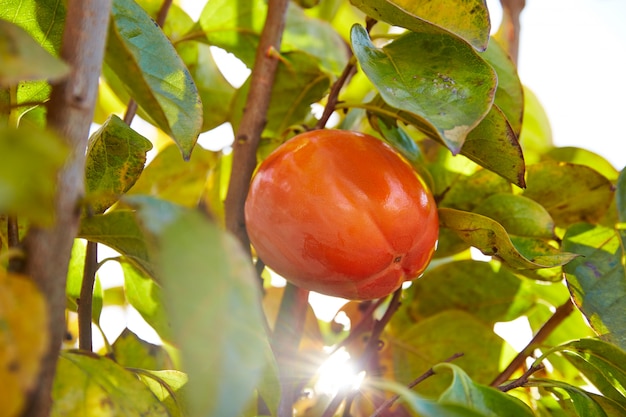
(573, 57)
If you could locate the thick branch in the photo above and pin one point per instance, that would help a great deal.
(548, 327)
(254, 119)
(70, 114)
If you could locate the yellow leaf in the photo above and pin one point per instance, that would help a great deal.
(23, 339)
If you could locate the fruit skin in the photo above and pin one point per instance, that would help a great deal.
(340, 213)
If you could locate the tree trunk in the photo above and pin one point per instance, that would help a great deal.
(70, 112)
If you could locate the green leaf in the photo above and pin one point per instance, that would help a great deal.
(581, 401)
(482, 289)
(597, 279)
(493, 145)
(492, 239)
(299, 78)
(75, 270)
(24, 59)
(469, 191)
(417, 347)
(147, 297)
(585, 157)
(487, 400)
(115, 159)
(317, 38)
(510, 93)
(449, 86)
(571, 193)
(424, 406)
(130, 351)
(119, 230)
(470, 20)
(519, 215)
(175, 180)
(236, 27)
(88, 385)
(197, 260)
(215, 91)
(147, 63)
(168, 386)
(31, 160)
(44, 20)
(603, 364)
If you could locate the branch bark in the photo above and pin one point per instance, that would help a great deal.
(254, 119)
(70, 112)
(561, 313)
(510, 29)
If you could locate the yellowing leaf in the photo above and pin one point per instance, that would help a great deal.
(23, 339)
(115, 158)
(87, 385)
(469, 21)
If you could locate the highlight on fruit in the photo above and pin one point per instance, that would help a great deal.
(341, 213)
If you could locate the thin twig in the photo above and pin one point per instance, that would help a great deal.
(522, 379)
(13, 242)
(131, 111)
(333, 95)
(369, 353)
(162, 14)
(561, 313)
(85, 303)
(430, 372)
(361, 326)
(13, 232)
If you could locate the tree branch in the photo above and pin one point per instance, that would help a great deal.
(369, 354)
(253, 120)
(285, 341)
(561, 313)
(430, 372)
(510, 29)
(70, 113)
(85, 302)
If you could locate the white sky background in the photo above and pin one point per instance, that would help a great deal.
(573, 57)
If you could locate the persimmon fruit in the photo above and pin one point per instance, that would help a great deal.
(341, 213)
